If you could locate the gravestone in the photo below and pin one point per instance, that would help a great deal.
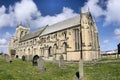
(30, 57)
(61, 61)
(34, 61)
(23, 58)
(54, 60)
(41, 64)
(7, 58)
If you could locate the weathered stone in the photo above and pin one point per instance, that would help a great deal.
(41, 64)
(34, 61)
(17, 56)
(23, 58)
(7, 58)
(61, 61)
(54, 60)
(30, 57)
(81, 72)
(64, 38)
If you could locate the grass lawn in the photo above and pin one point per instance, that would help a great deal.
(23, 70)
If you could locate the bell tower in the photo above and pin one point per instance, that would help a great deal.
(21, 31)
(91, 48)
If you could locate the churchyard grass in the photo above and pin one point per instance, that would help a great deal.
(23, 70)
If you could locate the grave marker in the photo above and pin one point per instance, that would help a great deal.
(41, 64)
(61, 61)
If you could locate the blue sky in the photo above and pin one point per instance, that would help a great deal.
(38, 13)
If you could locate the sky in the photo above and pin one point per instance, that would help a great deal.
(38, 13)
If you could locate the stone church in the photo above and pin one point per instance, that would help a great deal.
(63, 38)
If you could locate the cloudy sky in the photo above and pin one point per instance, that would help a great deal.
(38, 13)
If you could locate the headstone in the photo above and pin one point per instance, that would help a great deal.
(30, 57)
(34, 61)
(23, 58)
(7, 58)
(61, 61)
(41, 64)
(54, 60)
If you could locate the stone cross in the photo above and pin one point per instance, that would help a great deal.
(81, 72)
(41, 64)
(61, 61)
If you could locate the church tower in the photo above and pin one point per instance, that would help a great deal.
(21, 31)
(90, 43)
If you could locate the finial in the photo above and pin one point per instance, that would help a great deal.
(89, 11)
(82, 10)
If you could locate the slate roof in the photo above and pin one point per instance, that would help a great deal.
(62, 25)
(32, 34)
(53, 28)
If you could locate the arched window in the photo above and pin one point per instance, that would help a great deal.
(21, 34)
(50, 51)
(42, 51)
(77, 44)
(28, 51)
(48, 38)
(64, 47)
(55, 48)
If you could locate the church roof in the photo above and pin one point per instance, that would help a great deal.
(53, 28)
(32, 34)
(62, 25)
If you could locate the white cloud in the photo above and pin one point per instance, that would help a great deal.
(112, 12)
(42, 21)
(26, 11)
(106, 41)
(117, 33)
(2, 10)
(95, 9)
(3, 41)
(5, 19)
(8, 35)
(22, 11)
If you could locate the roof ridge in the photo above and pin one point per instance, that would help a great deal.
(65, 20)
(62, 25)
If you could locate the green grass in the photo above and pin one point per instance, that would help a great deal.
(109, 58)
(103, 71)
(23, 70)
